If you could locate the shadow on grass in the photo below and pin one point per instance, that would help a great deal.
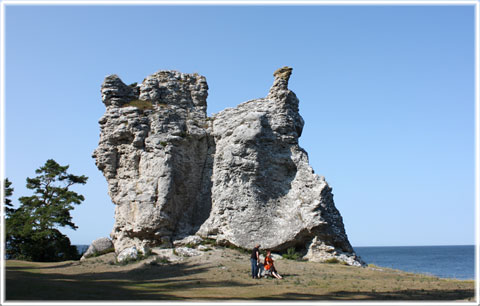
(409, 295)
(143, 283)
(40, 267)
(172, 282)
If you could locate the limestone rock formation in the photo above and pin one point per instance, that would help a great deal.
(239, 177)
(98, 246)
(153, 152)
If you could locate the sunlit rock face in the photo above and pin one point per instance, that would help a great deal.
(238, 177)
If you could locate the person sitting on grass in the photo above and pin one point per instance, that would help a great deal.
(268, 265)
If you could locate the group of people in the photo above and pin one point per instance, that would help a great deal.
(267, 266)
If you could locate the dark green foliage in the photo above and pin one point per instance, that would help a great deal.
(31, 230)
(291, 254)
(133, 84)
(208, 241)
(8, 193)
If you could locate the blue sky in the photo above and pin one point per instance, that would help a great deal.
(386, 92)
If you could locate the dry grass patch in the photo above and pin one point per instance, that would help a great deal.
(220, 274)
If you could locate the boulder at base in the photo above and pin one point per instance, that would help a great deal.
(99, 246)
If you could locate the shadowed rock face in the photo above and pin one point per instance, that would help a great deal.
(239, 177)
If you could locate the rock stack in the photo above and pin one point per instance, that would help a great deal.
(238, 177)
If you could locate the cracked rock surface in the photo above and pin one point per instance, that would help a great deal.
(239, 177)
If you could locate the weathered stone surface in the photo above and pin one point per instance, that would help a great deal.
(168, 254)
(239, 177)
(128, 254)
(263, 187)
(155, 159)
(187, 252)
(98, 246)
(189, 240)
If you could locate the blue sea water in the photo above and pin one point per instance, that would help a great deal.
(442, 261)
(82, 248)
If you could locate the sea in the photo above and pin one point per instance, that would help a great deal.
(82, 248)
(452, 261)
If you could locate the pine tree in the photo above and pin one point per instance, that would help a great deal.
(8, 193)
(32, 232)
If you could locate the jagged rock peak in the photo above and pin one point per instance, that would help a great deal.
(158, 89)
(283, 73)
(279, 90)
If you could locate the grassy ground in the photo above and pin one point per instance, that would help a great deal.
(220, 274)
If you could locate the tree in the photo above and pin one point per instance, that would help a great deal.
(32, 232)
(8, 193)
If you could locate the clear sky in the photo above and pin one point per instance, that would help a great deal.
(386, 92)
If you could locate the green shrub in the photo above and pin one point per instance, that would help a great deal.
(140, 104)
(291, 254)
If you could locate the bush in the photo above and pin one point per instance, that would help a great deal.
(208, 241)
(291, 254)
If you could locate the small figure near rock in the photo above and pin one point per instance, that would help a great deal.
(255, 260)
(269, 267)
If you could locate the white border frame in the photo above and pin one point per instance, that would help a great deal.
(474, 3)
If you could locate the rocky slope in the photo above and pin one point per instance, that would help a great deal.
(239, 177)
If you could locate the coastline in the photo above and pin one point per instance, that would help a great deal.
(444, 261)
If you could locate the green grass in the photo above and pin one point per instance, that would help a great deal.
(332, 261)
(221, 278)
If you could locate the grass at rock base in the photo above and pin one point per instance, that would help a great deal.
(221, 274)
